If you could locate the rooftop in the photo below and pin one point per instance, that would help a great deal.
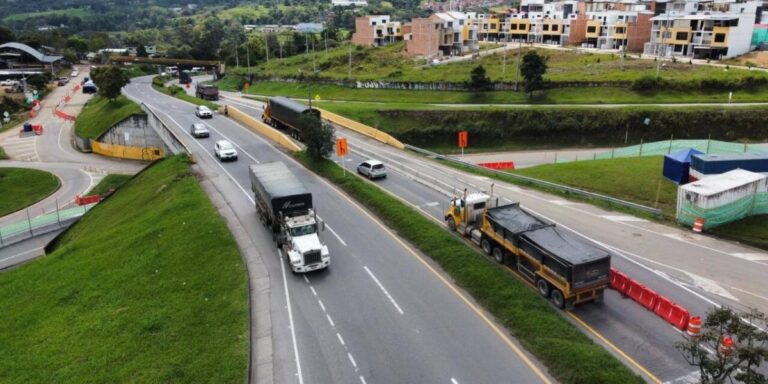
(713, 185)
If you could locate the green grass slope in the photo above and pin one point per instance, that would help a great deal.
(22, 187)
(148, 287)
(100, 114)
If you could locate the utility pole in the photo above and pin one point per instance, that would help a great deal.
(314, 63)
(326, 43)
(663, 37)
(349, 68)
(266, 45)
(504, 62)
(519, 53)
(248, 57)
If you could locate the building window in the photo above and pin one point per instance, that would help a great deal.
(493, 25)
(681, 36)
(450, 24)
(620, 30)
(591, 29)
(546, 27)
(513, 27)
(719, 37)
(554, 28)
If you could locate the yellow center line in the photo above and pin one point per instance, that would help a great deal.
(614, 347)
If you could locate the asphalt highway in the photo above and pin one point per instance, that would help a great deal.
(695, 271)
(381, 313)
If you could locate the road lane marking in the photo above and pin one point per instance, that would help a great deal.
(313, 290)
(321, 305)
(453, 381)
(432, 204)
(335, 234)
(614, 347)
(338, 335)
(290, 319)
(232, 141)
(330, 320)
(751, 256)
(362, 380)
(383, 290)
(624, 218)
(352, 360)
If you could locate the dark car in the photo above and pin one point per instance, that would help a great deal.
(62, 82)
(199, 130)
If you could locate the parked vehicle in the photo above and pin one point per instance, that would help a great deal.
(562, 266)
(224, 150)
(185, 77)
(85, 80)
(282, 112)
(62, 81)
(203, 112)
(74, 74)
(207, 91)
(199, 130)
(372, 169)
(284, 205)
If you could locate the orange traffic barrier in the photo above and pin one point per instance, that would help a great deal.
(698, 225)
(648, 298)
(87, 199)
(678, 316)
(498, 165)
(694, 326)
(618, 280)
(726, 347)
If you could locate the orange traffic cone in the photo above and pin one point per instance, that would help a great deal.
(698, 225)
(694, 327)
(726, 347)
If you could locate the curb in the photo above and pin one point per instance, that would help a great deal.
(260, 364)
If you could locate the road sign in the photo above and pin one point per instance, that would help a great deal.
(317, 97)
(341, 147)
(463, 138)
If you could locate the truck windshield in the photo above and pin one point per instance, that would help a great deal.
(303, 230)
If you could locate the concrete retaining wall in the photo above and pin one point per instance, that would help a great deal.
(168, 138)
(133, 131)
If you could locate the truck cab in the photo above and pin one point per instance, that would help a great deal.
(300, 242)
(465, 213)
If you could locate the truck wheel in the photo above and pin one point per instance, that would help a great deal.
(451, 223)
(498, 254)
(485, 244)
(543, 287)
(600, 297)
(558, 299)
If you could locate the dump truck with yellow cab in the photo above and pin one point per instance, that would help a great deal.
(562, 266)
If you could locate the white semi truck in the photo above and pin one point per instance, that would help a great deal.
(284, 206)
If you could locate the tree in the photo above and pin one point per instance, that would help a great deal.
(110, 80)
(317, 135)
(533, 68)
(478, 81)
(741, 363)
(78, 45)
(39, 81)
(6, 35)
(141, 51)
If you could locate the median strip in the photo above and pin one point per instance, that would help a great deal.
(570, 356)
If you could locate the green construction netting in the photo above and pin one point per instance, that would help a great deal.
(714, 217)
(760, 35)
(668, 146)
(761, 204)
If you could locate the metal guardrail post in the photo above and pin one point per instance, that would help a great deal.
(29, 222)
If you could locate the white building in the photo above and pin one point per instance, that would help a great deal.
(347, 3)
(703, 30)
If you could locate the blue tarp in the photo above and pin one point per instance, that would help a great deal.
(677, 164)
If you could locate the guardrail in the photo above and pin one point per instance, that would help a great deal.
(40, 225)
(542, 183)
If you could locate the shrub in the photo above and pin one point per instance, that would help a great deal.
(646, 83)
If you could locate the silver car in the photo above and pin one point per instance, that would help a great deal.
(372, 169)
(203, 112)
(199, 130)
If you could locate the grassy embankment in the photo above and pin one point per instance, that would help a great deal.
(100, 114)
(111, 181)
(391, 64)
(570, 356)
(71, 12)
(155, 294)
(158, 83)
(23, 187)
(3, 155)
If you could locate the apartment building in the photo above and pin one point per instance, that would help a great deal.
(376, 30)
(703, 30)
(442, 34)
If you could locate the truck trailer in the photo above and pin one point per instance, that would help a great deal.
(562, 266)
(284, 206)
(185, 77)
(282, 112)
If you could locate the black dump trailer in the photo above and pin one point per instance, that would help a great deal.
(562, 265)
(278, 192)
(207, 91)
(185, 77)
(282, 112)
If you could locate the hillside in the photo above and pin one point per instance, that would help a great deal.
(148, 287)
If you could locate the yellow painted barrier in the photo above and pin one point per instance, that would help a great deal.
(263, 129)
(127, 152)
(362, 128)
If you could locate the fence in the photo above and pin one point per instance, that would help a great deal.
(542, 183)
(658, 148)
(39, 225)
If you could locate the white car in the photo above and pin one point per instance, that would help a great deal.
(224, 150)
(372, 169)
(8, 83)
(203, 112)
(74, 74)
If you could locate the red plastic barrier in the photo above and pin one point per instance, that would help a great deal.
(678, 317)
(498, 165)
(619, 281)
(67, 98)
(648, 298)
(38, 129)
(32, 113)
(87, 199)
(64, 116)
(663, 307)
(634, 290)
